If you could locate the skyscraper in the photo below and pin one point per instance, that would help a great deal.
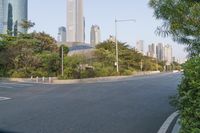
(152, 51)
(95, 35)
(168, 54)
(1, 16)
(140, 46)
(160, 52)
(14, 12)
(75, 21)
(62, 35)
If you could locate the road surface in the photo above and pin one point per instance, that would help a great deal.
(134, 105)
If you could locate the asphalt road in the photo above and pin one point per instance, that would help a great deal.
(134, 105)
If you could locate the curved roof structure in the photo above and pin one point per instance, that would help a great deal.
(80, 46)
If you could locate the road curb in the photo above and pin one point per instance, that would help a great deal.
(103, 79)
(177, 127)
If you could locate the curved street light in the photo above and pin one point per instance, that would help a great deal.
(117, 50)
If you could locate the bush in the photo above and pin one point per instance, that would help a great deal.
(189, 97)
(19, 74)
(126, 72)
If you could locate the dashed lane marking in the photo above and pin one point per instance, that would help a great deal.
(8, 87)
(4, 98)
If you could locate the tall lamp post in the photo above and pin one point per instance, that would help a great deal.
(116, 42)
(62, 65)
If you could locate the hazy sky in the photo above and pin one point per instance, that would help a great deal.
(51, 14)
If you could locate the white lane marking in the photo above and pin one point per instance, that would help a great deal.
(8, 87)
(4, 98)
(167, 123)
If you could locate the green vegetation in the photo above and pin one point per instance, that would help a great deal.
(37, 54)
(181, 21)
(28, 55)
(102, 62)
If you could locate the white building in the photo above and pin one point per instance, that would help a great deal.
(95, 35)
(75, 21)
(168, 54)
(140, 46)
(152, 51)
(160, 52)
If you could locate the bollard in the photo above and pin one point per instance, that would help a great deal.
(50, 80)
(37, 80)
(43, 79)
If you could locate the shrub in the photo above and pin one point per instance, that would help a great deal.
(189, 97)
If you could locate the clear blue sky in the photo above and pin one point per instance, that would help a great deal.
(51, 14)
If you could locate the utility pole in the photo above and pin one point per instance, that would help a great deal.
(62, 67)
(116, 40)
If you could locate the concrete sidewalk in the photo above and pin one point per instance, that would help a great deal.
(55, 80)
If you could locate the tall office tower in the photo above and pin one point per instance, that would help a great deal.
(152, 51)
(75, 21)
(1, 16)
(95, 35)
(168, 54)
(140, 46)
(62, 35)
(14, 13)
(160, 52)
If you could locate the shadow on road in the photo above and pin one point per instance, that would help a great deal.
(5, 131)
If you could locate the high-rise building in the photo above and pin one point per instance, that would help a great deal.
(160, 52)
(14, 13)
(152, 51)
(140, 46)
(95, 35)
(1, 16)
(62, 35)
(75, 21)
(168, 54)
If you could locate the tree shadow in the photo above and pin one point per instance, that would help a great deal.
(5, 131)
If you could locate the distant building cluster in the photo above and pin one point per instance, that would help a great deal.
(12, 14)
(160, 51)
(74, 32)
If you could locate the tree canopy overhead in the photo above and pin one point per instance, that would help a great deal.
(181, 20)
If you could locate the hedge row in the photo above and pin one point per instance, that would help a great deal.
(189, 97)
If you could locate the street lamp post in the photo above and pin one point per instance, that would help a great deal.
(62, 61)
(116, 41)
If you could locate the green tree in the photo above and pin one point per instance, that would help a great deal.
(45, 42)
(180, 20)
(27, 25)
(10, 20)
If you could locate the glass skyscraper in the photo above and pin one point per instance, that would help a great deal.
(62, 35)
(14, 12)
(1, 16)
